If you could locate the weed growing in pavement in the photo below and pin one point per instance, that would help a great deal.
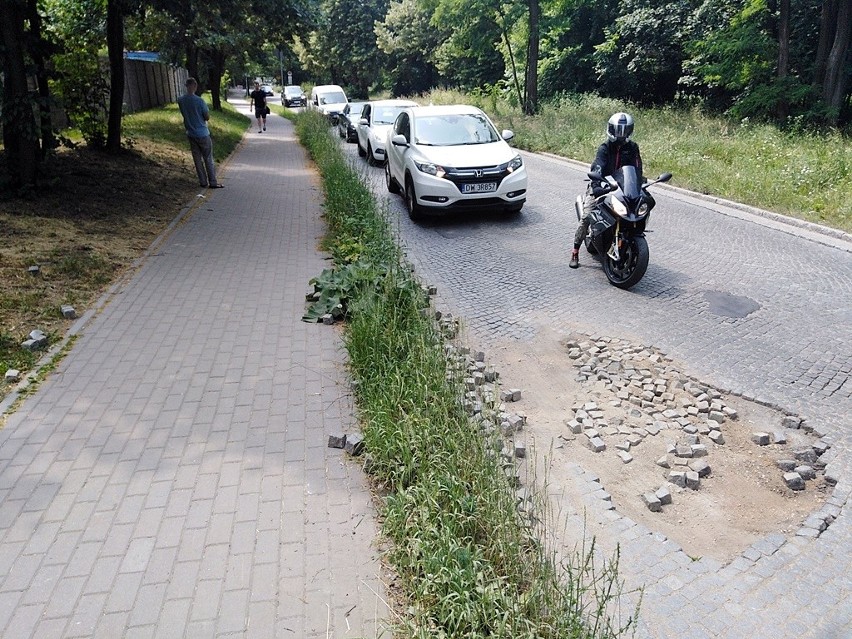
(797, 173)
(469, 564)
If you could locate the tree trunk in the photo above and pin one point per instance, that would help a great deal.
(827, 24)
(215, 71)
(783, 55)
(192, 63)
(836, 78)
(20, 129)
(48, 140)
(508, 42)
(531, 79)
(115, 49)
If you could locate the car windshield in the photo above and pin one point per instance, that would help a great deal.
(332, 98)
(386, 114)
(454, 129)
(354, 109)
(293, 91)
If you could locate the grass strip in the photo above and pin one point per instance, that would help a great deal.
(469, 564)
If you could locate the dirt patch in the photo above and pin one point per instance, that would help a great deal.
(742, 499)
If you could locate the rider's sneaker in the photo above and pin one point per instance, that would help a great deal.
(575, 259)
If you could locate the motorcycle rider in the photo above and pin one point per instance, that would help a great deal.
(618, 150)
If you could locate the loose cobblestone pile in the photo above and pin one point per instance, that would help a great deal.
(651, 398)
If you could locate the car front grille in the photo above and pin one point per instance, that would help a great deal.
(476, 175)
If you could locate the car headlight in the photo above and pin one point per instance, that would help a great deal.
(431, 169)
(515, 163)
(618, 207)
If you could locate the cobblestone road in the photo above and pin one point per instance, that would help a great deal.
(752, 306)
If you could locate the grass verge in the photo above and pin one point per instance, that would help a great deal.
(470, 565)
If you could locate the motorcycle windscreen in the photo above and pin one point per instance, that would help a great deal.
(628, 179)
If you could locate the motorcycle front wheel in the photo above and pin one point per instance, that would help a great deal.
(631, 267)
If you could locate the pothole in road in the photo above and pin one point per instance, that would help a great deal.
(728, 305)
(652, 421)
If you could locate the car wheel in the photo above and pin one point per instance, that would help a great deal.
(371, 159)
(340, 133)
(361, 150)
(393, 187)
(415, 212)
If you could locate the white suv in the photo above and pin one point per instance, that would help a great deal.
(452, 157)
(328, 99)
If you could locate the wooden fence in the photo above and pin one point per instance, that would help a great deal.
(151, 84)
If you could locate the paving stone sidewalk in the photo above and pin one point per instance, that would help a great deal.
(171, 478)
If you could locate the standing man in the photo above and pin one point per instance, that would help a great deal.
(258, 96)
(195, 116)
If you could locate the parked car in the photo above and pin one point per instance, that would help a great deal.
(376, 120)
(328, 99)
(292, 95)
(347, 121)
(267, 89)
(452, 157)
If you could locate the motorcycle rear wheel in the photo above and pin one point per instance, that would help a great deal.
(632, 265)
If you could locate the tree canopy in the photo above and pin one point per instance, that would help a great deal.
(766, 59)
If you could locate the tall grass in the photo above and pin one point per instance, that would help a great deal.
(801, 174)
(469, 563)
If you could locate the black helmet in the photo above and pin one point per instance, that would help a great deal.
(619, 128)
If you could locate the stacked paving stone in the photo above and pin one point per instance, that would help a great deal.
(651, 398)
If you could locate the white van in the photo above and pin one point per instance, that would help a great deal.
(328, 99)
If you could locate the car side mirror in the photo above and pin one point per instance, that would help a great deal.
(399, 140)
(507, 134)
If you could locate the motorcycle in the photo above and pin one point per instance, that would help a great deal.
(617, 224)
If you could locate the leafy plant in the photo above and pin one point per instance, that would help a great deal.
(334, 289)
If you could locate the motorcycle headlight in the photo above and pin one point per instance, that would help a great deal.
(515, 163)
(618, 207)
(643, 209)
(431, 169)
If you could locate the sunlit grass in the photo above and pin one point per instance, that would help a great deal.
(165, 125)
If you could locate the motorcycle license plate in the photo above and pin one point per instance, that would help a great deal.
(483, 187)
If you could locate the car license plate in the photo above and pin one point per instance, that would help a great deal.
(482, 187)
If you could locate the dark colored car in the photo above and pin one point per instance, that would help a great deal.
(292, 95)
(347, 121)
